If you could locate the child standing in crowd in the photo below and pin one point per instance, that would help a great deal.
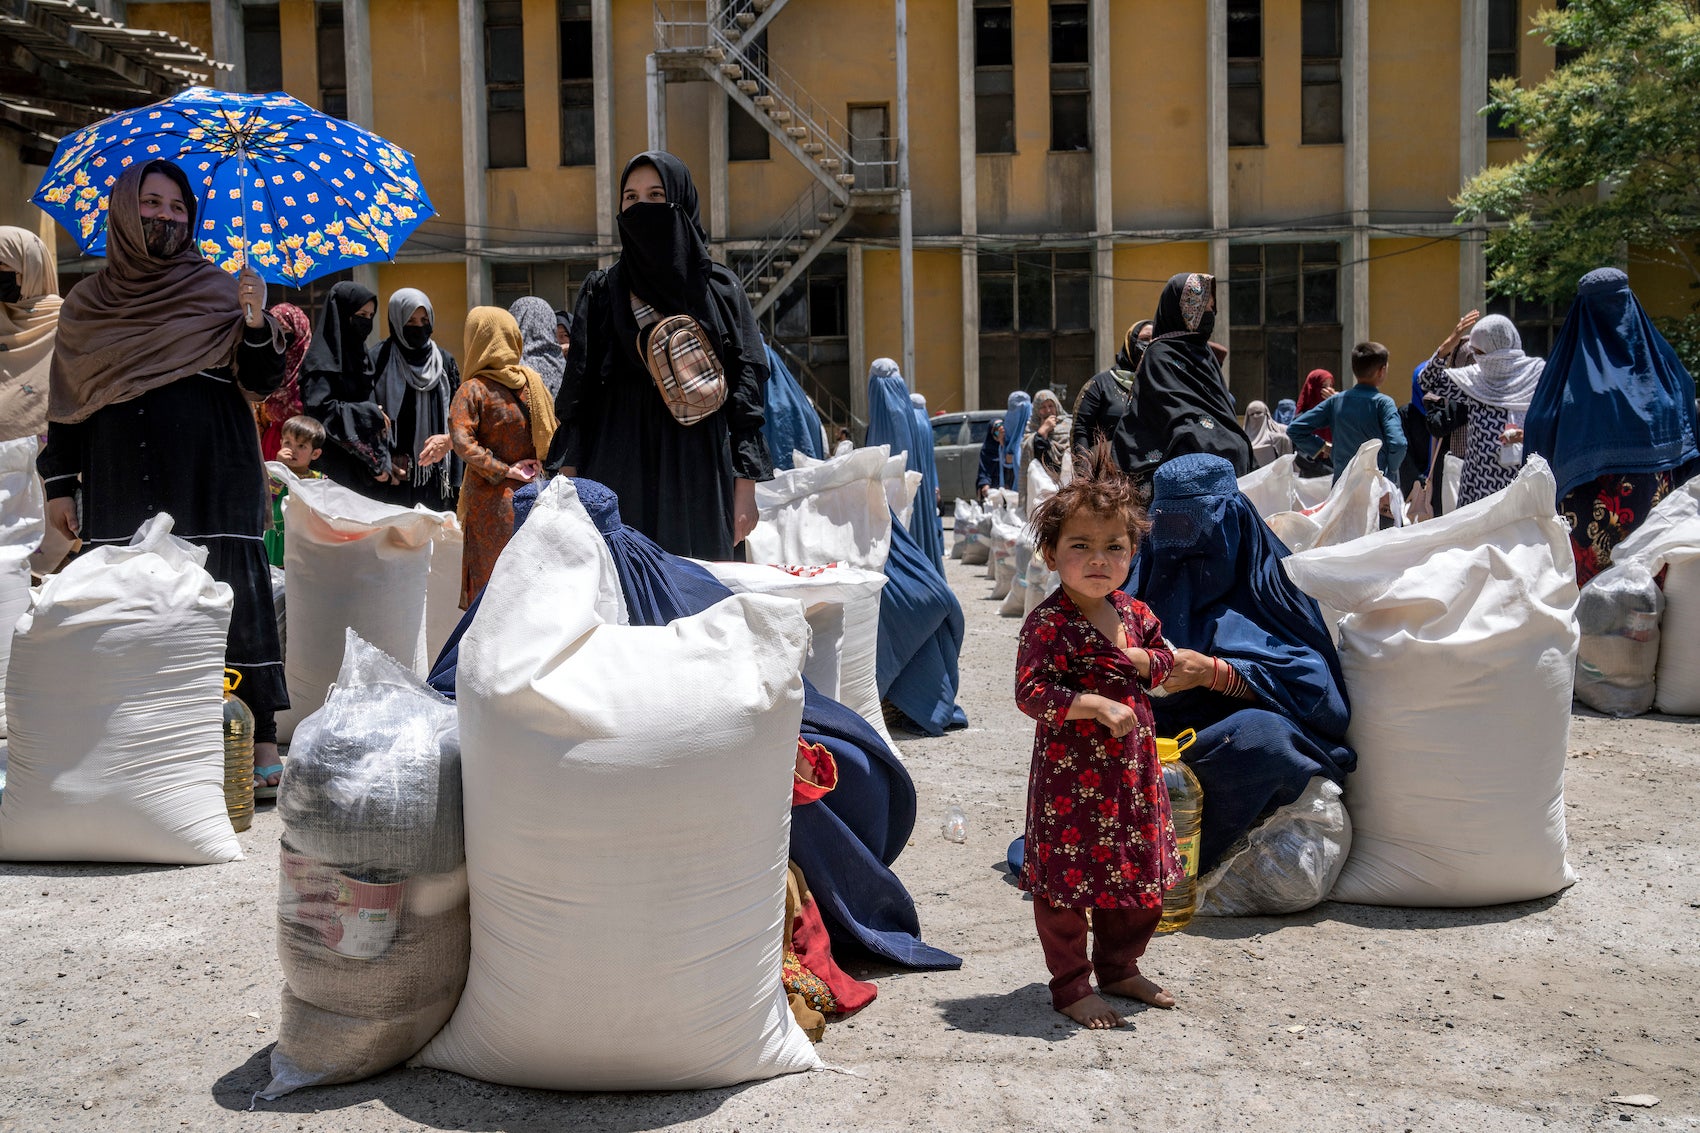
(300, 443)
(1362, 413)
(1099, 835)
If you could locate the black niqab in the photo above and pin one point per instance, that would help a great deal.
(338, 348)
(1179, 403)
(664, 261)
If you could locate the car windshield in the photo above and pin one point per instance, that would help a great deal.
(946, 432)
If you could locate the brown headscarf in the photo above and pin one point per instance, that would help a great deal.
(493, 350)
(140, 322)
(26, 334)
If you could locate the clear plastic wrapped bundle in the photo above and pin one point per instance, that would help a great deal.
(1617, 664)
(373, 929)
(1286, 864)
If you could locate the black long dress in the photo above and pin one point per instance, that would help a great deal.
(674, 482)
(188, 449)
(432, 493)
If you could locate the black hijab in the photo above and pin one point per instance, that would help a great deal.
(664, 261)
(338, 348)
(1180, 403)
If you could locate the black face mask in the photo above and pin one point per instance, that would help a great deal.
(10, 292)
(416, 337)
(360, 326)
(165, 237)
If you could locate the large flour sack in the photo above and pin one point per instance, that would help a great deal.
(1458, 644)
(1669, 539)
(351, 563)
(842, 605)
(836, 511)
(1274, 487)
(22, 523)
(442, 587)
(115, 700)
(628, 799)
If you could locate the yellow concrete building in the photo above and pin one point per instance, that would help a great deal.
(1062, 160)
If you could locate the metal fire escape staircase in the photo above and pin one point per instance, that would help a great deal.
(717, 40)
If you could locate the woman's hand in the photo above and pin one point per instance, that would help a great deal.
(1192, 670)
(251, 294)
(1116, 717)
(1511, 436)
(62, 516)
(744, 515)
(436, 448)
(1459, 332)
(525, 471)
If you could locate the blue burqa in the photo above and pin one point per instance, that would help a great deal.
(1614, 397)
(1211, 571)
(1015, 419)
(791, 423)
(920, 638)
(844, 843)
(892, 422)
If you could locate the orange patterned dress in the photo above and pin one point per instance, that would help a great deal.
(490, 429)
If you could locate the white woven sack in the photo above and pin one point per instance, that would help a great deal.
(842, 605)
(901, 486)
(1670, 538)
(116, 708)
(22, 525)
(1310, 491)
(351, 563)
(1451, 482)
(1458, 646)
(1272, 488)
(1041, 583)
(1015, 597)
(442, 587)
(1006, 532)
(833, 511)
(964, 527)
(628, 801)
(1041, 486)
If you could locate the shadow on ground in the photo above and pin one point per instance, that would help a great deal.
(1370, 917)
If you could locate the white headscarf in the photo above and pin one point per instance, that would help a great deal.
(1502, 375)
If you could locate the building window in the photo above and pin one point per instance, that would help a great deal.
(1320, 89)
(1035, 323)
(262, 50)
(1071, 78)
(994, 79)
(1284, 302)
(1537, 323)
(808, 327)
(333, 62)
(746, 138)
(1502, 56)
(504, 83)
(1245, 72)
(556, 282)
(578, 85)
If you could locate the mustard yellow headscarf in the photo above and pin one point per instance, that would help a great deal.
(27, 330)
(493, 350)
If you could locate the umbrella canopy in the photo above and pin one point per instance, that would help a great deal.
(292, 193)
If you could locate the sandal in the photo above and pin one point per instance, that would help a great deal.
(262, 789)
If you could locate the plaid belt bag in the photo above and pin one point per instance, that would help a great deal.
(677, 353)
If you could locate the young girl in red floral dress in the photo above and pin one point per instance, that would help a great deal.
(1100, 842)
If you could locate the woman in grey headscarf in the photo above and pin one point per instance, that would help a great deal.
(416, 380)
(537, 323)
(1496, 387)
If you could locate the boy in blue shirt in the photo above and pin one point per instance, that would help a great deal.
(1362, 413)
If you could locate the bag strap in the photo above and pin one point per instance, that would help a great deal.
(645, 315)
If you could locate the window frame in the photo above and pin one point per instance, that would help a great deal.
(1503, 61)
(1246, 64)
(1313, 341)
(1317, 74)
(506, 89)
(578, 91)
(328, 14)
(989, 75)
(1071, 80)
(1026, 335)
(261, 24)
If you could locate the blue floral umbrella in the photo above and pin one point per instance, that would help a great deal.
(285, 189)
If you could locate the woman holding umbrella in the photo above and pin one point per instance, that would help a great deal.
(146, 414)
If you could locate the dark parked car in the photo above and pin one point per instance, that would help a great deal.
(957, 438)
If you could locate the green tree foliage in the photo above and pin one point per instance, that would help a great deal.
(1612, 159)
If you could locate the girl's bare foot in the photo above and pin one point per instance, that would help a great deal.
(1138, 987)
(1094, 1014)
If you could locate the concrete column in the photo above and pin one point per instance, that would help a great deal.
(474, 150)
(1472, 142)
(655, 85)
(857, 317)
(357, 56)
(719, 201)
(967, 165)
(1355, 250)
(1216, 174)
(228, 46)
(607, 171)
(1103, 189)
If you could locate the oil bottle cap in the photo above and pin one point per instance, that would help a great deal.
(231, 679)
(1170, 750)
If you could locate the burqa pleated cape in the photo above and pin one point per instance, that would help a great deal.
(1211, 571)
(674, 482)
(892, 422)
(1179, 402)
(845, 842)
(791, 424)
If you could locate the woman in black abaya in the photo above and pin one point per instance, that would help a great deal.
(339, 389)
(691, 488)
(1179, 402)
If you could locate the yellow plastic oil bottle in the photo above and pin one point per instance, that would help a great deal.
(238, 755)
(1186, 804)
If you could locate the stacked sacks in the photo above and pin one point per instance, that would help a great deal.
(835, 511)
(1015, 597)
(642, 851)
(1351, 511)
(354, 563)
(1668, 540)
(1006, 536)
(373, 934)
(965, 533)
(115, 705)
(21, 528)
(1458, 644)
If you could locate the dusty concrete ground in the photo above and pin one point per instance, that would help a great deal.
(141, 998)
